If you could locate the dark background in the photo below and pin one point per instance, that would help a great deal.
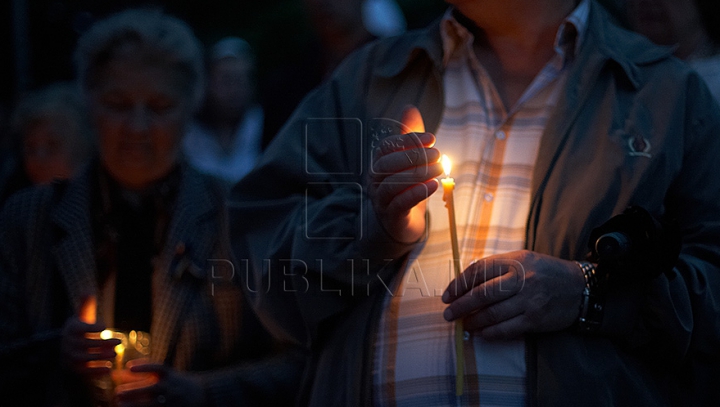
(45, 31)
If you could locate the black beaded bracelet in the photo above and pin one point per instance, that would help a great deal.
(591, 307)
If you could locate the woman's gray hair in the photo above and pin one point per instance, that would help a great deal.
(157, 35)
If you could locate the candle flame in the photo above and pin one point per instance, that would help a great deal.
(106, 334)
(446, 164)
(88, 310)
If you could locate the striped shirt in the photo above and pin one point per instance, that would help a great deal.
(493, 152)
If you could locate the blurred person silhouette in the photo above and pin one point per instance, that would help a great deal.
(342, 26)
(138, 229)
(692, 27)
(52, 128)
(224, 140)
(339, 27)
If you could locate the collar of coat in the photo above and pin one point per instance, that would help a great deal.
(629, 50)
(192, 228)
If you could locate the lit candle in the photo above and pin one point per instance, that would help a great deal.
(88, 315)
(448, 185)
(119, 353)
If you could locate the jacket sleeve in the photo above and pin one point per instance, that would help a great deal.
(301, 224)
(29, 359)
(270, 381)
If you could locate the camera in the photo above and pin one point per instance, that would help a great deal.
(634, 246)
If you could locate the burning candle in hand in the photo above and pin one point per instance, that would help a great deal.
(448, 185)
(88, 310)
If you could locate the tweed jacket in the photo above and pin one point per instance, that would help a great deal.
(633, 126)
(200, 322)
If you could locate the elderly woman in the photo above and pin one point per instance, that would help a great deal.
(141, 232)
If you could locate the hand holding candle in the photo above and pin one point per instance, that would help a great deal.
(82, 350)
(403, 175)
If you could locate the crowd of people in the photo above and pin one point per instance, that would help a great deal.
(308, 247)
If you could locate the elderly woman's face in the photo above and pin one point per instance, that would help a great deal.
(140, 110)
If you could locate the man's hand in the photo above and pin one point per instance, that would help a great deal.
(166, 387)
(508, 295)
(83, 351)
(403, 176)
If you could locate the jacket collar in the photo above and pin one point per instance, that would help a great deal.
(191, 227)
(191, 243)
(70, 212)
(627, 49)
(73, 250)
(403, 50)
(192, 230)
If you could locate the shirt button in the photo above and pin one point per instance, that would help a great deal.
(489, 197)
(466, 335)
(500, 135)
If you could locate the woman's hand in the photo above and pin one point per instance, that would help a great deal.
(82, 350)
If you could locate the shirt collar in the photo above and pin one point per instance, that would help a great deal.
(569, 37)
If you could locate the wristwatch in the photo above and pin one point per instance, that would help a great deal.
(592, 305)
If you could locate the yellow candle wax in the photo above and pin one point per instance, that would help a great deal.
(448, 185)
(119, 351)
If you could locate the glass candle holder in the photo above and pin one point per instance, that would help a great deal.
(134, 349)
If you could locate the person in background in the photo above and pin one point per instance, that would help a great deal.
(692, 27)
(55, 141)
(339, 27)
(224, 140)
(138, 230)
